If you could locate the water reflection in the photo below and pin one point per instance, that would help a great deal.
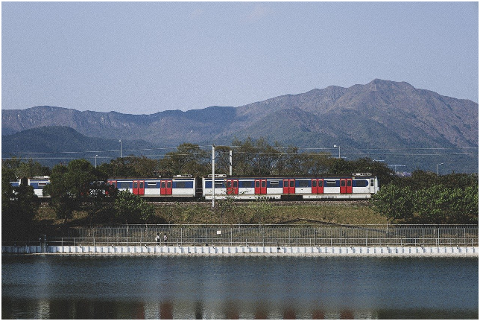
(84, 309)
(57, 287)
(198, 310)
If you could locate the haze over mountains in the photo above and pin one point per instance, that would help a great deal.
(387, 120)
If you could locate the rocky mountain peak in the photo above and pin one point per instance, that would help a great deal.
(379, 114)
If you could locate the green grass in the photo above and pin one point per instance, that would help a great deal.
(273, 213)
(262, 212)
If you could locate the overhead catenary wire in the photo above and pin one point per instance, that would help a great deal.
(406, 151)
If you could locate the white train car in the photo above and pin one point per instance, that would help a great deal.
(357, 186)
(178, 186)
(37, 182)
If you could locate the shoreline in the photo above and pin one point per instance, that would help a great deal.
(270, 251)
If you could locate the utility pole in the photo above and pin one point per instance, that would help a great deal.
(437, 167)
(231, 162)
(338, 146)
(395, 167)
(213, 176)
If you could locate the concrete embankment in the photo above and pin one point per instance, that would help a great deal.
(377, 251)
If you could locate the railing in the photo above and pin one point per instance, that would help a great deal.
(274, 235)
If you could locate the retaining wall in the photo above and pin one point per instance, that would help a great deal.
(441, 251)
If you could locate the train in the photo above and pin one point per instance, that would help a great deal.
(37, 182)
(354, 187)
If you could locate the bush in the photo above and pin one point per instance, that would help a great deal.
(425, 198)
(130, 208)
(394, 202)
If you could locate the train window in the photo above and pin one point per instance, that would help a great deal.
(123, 184)
(162, 184)
(285, 183)
(180, 184)
(320, 183)
(151, 184)
(330, 183)
(264, 183)
(235, 184)
(135, 185)
(292, 183)
(257, 183)
(303, 183)
(141, 184)
(361, 183)
(219, 184)
(229, 184)
(246, 184)
(349, 182)
(274, 183)
(42, 184)
(314, 183)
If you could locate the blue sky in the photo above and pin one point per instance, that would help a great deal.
(142, 58)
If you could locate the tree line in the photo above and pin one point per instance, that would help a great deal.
(77, 186)
(422, 198)
(250, 158)
(426, 198)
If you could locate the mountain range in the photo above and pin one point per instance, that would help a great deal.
(383, 119)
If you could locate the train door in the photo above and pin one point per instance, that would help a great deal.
(111, 185)
(232, 186)
(261, 186)
(349, 186)
(317, 186)
(346, 186)
(138, 187)
(288, 186)
(166, 187)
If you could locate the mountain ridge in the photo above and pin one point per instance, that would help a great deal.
(381, 114)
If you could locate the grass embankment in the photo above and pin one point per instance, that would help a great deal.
(262, 212)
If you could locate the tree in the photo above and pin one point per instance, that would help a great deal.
(222, 159)
(442, 205)
(244, 156)
(255, 158)
(316, 163)
(419, 179)
(379, 169)
(130, 208)
(266, 158)
(17, 168)
(30, 169)
(429, 199)
(131, 166)
(341, 167)
(70, 187)
(432, 204)
(464, 205)
(290, 162)
(395, 203)
(8, 171)
(187, 159)
(19, 207)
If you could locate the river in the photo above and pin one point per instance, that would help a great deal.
(247, 287)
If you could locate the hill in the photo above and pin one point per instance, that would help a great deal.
(54, 144)
(387, 120)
